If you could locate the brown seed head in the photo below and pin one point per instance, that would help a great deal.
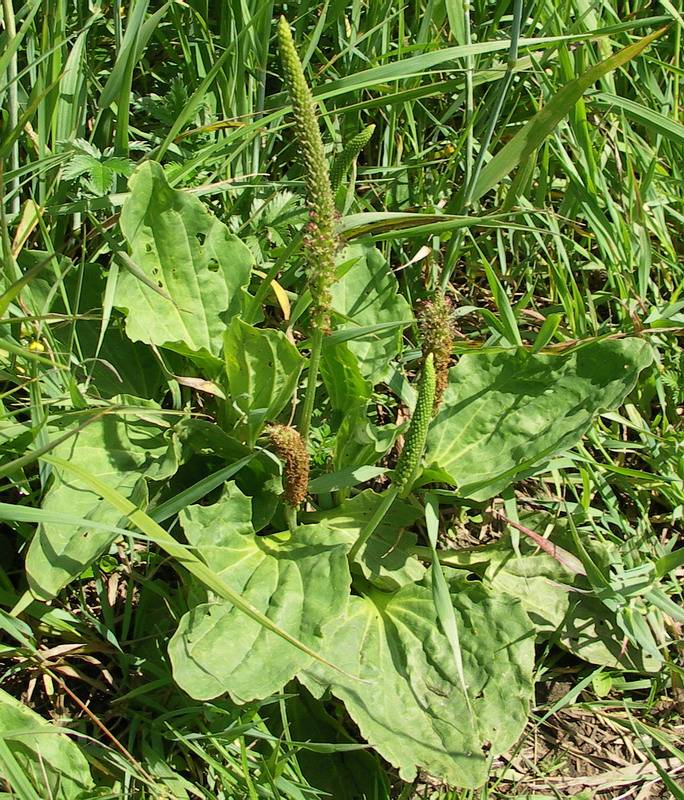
(291, 450)
(436, 322)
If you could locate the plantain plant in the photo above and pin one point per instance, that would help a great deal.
(319, 526)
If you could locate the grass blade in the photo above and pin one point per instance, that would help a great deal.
(525, 142)
(441, 596)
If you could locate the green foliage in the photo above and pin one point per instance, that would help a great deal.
(386, 560)
(300, 584)
(371, 313)
(122, 451)
(42, 755)
(99, 168)
(218, 579)
(406, 696)
(332, 761)
(504, 413)
(189, 270)
(536, 130)
(560, 609)
(261, 372)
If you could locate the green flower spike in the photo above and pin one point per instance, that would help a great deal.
(344, 160)
(414, 445)
(321, 240)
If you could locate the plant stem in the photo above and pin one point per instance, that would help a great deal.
(470, 101)
(290, 517)
(12, 102)
(312, 378)
(385, 504)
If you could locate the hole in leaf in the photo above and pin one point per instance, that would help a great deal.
(148, 248)
(213, 266)
(160, 284)
(201, 237)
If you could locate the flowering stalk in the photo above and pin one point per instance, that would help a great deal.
(414, 445)
(344, 160)
(320, 242)
(436, 321)
(409, 461)
(291, 450)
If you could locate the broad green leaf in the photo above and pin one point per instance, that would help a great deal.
(346, 386)
(262, 372)
(411, 708)
(300, 582)
(357, 440)
(544, 122)
(51, 762)
(560, 608)
(504, 413)
(180, 552)
(121, 366)
(191, 256)
(120, 450)
(592, 633)
(111, 363)
(538, 581)
(385, 559)
(367, 295)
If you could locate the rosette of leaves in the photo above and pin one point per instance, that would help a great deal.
(376, 627)
(381, 652)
